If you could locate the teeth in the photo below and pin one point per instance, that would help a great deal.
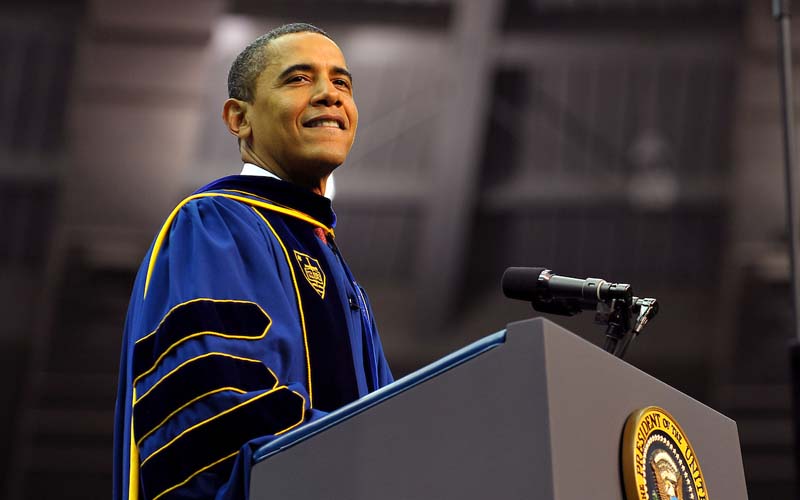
(324, 123)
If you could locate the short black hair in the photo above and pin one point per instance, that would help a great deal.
(253, 59)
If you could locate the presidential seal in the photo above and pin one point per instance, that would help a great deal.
(658, 462)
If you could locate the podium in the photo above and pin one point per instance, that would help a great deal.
(533, 411)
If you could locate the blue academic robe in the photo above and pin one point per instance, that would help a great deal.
(244, 322)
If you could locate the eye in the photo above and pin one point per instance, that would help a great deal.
(297, 79)
(341, 82)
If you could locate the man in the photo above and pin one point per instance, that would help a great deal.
(244, 320)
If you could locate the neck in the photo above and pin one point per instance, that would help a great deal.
(315, 184)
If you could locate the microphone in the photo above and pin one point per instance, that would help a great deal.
(551, 293)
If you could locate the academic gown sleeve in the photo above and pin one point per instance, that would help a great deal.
(384, 372)
(214, 361)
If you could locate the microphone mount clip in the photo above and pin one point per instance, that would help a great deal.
(617, 316)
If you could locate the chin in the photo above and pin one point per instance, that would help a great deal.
(327, 160)
(315, 168)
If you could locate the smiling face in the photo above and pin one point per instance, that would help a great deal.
(302, 121)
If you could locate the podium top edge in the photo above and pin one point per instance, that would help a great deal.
(397, 387)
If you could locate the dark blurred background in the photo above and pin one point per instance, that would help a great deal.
(635, 140)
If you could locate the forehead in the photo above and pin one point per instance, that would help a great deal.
(303, 48)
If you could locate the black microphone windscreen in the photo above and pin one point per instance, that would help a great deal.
(520, 282)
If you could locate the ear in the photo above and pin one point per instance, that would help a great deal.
(234, 114)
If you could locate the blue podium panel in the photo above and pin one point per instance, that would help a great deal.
(533, 412)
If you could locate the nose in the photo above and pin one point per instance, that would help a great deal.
(326, 94)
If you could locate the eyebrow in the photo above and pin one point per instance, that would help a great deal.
(336, 70)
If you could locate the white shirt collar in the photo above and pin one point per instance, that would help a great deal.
(251, 169)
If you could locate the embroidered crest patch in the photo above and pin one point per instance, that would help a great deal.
(312, 271)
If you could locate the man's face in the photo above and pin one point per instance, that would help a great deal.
(303, 116)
